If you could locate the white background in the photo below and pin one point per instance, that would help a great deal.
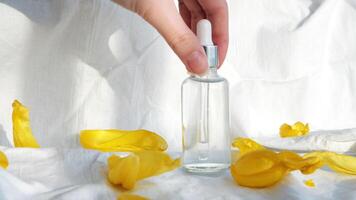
(89, 64)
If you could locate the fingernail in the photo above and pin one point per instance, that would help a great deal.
(197, 62)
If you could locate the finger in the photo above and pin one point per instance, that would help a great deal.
(196, 13)
(164, 16)
(184, 12)
(129, 4)
(217, 13)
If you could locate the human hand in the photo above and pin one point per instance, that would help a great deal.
(179, 29)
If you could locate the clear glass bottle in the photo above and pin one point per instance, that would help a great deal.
(205, 119)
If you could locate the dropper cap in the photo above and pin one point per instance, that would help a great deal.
(204, 34)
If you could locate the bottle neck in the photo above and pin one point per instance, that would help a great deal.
(211, 52)
(212, 72)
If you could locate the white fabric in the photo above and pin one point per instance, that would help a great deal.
(91, 64)
(46, 174)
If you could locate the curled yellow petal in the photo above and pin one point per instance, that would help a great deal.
(337, 162)
(342, 163)
(309, 183)
(123, 171)
(22, 133)
(126, 171)
(298, 129)
(256, 162)
(260, 180)
(122, 140)
(246, 145)
(126, 196)
(293, 161)
(286, 131)
(301, 127)
(312, 168)
(155, 163)
(263, 168)
(260, 168)
(4, 163)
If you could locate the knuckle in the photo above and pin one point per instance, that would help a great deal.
(179, 40)
(144, 9)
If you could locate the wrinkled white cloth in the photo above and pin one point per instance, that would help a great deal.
(93, 65)
(79, 174)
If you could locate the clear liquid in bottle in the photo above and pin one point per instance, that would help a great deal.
(206, 127)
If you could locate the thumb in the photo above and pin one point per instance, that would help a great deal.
(164, 16)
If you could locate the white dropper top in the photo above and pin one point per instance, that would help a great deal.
(204, 32)
(204, 35)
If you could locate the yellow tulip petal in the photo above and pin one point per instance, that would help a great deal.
(246, 145)
(260, 180)
(123, 171)
(293, 161)
(312, 168)
(122, 140)
(126, 171)
(286, 131)
(309, 183)
(153, 163)
(337, 162)
(289, 156)
(3, 160)
(298, 129)
(126, 196)
(256, 162)
(22, 133)
(301, 128)
(257, 166)
(260, 167)
(315, 154)
(341, 163)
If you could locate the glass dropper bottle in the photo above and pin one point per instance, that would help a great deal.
(205, 114)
